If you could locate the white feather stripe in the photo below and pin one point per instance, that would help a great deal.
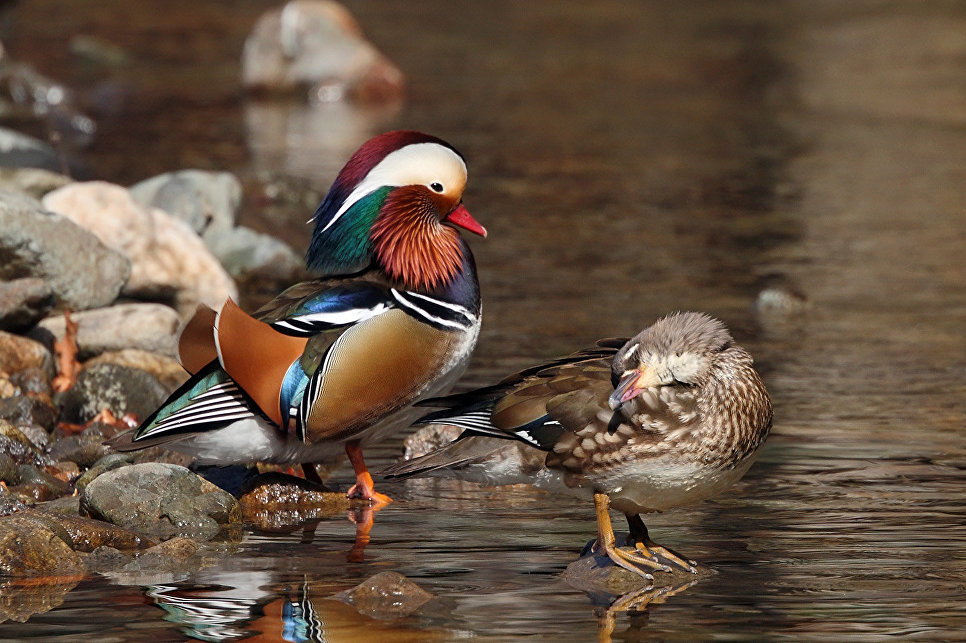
(336, 318)
(449, 323)
(185, 423)
(204, 416)
(445, 304)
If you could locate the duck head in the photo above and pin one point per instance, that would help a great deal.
(678, 350)
(396, 203)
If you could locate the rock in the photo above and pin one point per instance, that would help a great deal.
(168, 370)
(82, 272)
(178, 548)
(23, 410)
(85, 449)
(316, 45)
(20, 150)
(29, 548)
(10, 504)
(105, 464)
(19, 447)
(161, 500)
(7, 387)
(207, 201)
(386, 595)
(20, 353)
(34, 382)
(34, 182)
(121, 389)
(429, 438)
(169, 261)
(38, 484)
(245, 253)
(147, 327)
(87, 534)
(106, 559)
(37, 435)
(23, 302)
(9, 470)
(66, 505)
(276, 501)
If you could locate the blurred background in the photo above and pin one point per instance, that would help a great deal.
(796, 168)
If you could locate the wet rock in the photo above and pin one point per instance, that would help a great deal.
(386, 595)
(23, 410)
(168, 370)
(66, 505)
(29, 548)
(105, 559)
(10, 504)
(317, 45)
(35, 182)
(20, 150)
(19, 447)
(147, 327)
(85, 449)
(207, 201)
(169, 261)
(429, 438)
(81, 271)
(37, 435)
(161, 500)
(276, 501)
(39, 485)
(9, 470)
(64, 470)
(23, 302)
(245, 253)
(120, 389)
(105, 464)
(87, 534)
(34, 382)
(19, 353)
(178, 548)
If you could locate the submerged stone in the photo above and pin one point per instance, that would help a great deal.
(386, 595)
(28, 547)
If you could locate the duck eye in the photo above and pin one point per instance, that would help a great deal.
(436, 187)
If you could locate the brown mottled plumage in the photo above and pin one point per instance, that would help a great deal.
(672, 417)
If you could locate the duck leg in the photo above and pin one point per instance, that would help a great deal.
(631, 561)
(363, 488)
(652, 551)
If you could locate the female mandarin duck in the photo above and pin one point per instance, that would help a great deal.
(329, 363)
(670, 417)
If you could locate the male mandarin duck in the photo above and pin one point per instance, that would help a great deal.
(330, 363)
(668, 418)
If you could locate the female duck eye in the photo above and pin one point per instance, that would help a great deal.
(436, 187)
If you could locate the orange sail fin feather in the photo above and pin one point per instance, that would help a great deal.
(196, 344)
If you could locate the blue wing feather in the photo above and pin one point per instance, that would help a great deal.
(334, 308)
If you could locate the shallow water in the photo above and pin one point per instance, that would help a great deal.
(628, 159)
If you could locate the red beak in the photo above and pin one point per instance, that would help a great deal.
(462, 218)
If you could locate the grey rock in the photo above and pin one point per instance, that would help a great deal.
(35, 182)
(9, 470)
(23, 410)
(81, 271)
(23, 302)
(28, 547)
(167, 369)
(149, 327)
(10, 504)
(243, 252)
(161, 500)
(121, 389)
(20, 150)
(67, 505)
(37, 435)
(105, 464)
(386, 595)
(84, 449)
(106, 559)
(41, 485)
(33, 381)
(206, 201)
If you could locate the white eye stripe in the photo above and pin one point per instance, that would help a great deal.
(416, 164)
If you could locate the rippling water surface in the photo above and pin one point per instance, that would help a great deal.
(628, 159)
